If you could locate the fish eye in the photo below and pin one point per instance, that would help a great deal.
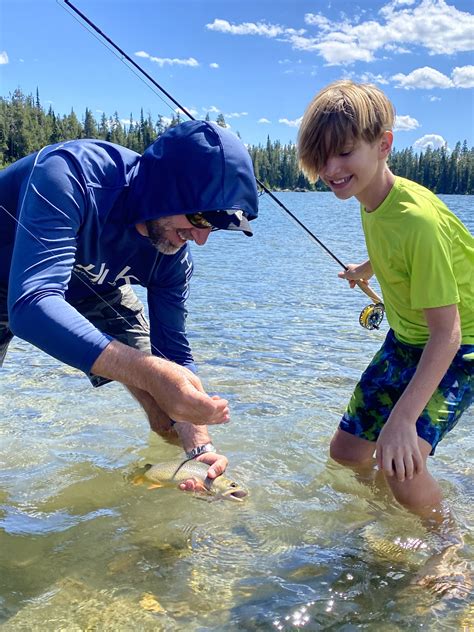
(233, 484)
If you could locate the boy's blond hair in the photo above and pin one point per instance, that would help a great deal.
(341, 113)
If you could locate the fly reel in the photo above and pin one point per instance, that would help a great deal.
(371, 316)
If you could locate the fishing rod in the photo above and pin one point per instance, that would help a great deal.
(372, 315)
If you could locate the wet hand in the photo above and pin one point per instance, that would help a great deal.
(397, 450)
(181, 394)
(218, 464)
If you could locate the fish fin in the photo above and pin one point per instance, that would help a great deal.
(138, 480)
(155, 485)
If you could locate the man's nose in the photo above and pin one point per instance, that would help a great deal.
(200, 235)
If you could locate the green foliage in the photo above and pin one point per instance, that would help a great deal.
(25, 126)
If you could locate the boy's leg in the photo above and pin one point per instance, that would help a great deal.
(379, 388)
(347, 449)
(421, 494)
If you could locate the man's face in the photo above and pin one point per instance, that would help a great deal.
(169, 234)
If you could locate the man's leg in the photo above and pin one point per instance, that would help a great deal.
(157, 418)
(5, 334)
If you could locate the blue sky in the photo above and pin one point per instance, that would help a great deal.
(259, 62)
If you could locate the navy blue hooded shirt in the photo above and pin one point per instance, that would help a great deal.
(68, 217)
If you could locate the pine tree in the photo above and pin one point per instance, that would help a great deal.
(220, 120)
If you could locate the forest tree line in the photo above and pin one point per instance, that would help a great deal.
(26, 126)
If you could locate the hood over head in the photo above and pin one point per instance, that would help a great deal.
(196, 167)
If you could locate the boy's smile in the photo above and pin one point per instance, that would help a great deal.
(360, 171)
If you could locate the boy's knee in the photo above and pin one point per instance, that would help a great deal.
(345, 449)
(420, 491)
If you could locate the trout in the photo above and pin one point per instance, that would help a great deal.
(178, 471)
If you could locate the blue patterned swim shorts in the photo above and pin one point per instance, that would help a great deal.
(384, 381)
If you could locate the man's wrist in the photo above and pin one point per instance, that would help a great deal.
(200, 449)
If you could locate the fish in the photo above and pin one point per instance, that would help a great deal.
(178, 471)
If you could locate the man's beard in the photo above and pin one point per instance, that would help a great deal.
(156, 234)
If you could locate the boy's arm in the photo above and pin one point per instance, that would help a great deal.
(397, 446)
(357, 272)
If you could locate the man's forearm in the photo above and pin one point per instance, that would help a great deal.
(127, 365)
(189, 435)
(176, 389)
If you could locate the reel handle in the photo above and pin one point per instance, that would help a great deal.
(369, 291)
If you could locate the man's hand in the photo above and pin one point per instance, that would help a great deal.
(177, 390)
(218, 464)
(181, 394)
(397, 450)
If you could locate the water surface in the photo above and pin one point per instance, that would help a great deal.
(276, 332)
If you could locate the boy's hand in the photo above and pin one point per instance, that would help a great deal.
(397, 450)
(357, 272)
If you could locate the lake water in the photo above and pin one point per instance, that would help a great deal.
(276, 332)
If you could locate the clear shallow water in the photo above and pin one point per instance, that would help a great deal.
(276, 332)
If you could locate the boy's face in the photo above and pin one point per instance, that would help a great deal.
(358, 170)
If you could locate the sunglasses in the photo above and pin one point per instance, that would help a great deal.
(199, 221)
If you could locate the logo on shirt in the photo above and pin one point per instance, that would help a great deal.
(99, 278)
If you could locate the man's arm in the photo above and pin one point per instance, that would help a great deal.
(397, 446)
(177, 390)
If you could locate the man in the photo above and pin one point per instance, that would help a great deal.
(82, 221)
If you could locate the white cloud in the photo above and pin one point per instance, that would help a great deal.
(213, 65)
(191, 110)
(401, 27)
(425, 77)
(405, 123)
(168, 61)
(246, 28)
(3, 57)
(428, 78)
(435, 141)
(369, 77)
(433, 98)
(264, 120)
(293, 123)
(463, 77)
(212, 109)
(235, 115)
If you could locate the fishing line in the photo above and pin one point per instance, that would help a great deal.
(372, 315)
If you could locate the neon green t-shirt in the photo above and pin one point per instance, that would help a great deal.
(422, 256)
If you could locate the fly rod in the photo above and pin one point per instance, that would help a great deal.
(372, 315)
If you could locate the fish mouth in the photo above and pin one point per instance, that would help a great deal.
(237, 495)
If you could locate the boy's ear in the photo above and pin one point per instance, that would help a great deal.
(386, 143)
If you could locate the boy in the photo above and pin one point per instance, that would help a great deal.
(420, 381)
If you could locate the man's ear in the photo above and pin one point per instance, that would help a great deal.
(386, 143)
(142, 229)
